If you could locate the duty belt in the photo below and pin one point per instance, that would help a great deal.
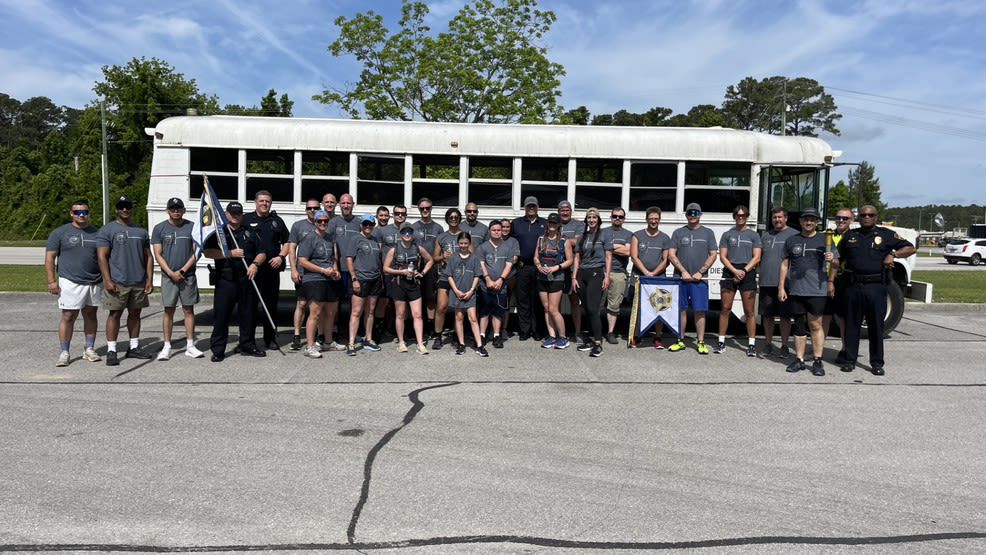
(867, 278)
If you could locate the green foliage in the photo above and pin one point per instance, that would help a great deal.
(838, 198)
(864, 188)
(486, 68)
(270, 106)
(922, 217)
(758, 106)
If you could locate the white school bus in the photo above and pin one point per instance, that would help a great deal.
(496, 166)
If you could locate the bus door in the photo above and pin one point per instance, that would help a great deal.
(794, 188)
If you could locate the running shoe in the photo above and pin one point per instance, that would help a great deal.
(585, 347)
(658, 345)
(597, 350)
(313, 352)
(720, 348)
(498, 342)
(677, 346)
(561, 343)
(90, 355)
(137, 352)
(611, 338)
(111, 359)
(548, 343)
(785, 352)
(63, 359)
(818, 367)
(796, 366)
(437, 345)
(369, 345)
(422, 350)
(296, 343)
(192, 352)
(702, 348)
(164, 355)
(351, 350)
(461, 349)
(768, 350)
(751, 350)
(482, 352)
(402, 347)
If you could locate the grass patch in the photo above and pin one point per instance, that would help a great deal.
(955, 286)
(24, 243)
(23, 278)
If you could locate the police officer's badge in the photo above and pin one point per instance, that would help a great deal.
(877, 240)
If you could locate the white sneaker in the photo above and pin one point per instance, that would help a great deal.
(90, 355)
(165, 354)
(335, 347)
(192, 352)
(63, 359)
(422, 350)
(312, 352)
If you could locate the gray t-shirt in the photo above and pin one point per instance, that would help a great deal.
(571, 229)
(693, 247)
(773, 252)
(650, 250)
(806, 265)
(513, 246)
(463, 271)
(479, 231)
(319, 251)
(127, 244)
(449, 246)
(343, 232)
(176, 243)
(496, 258)
(300, 230)
(551, 252)
(387, 236)
(739, 245)
(425, 234)
(613, 237)
(76, 253)
(593, 253)
(366, 258)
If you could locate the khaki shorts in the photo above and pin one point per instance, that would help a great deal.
(130, 296)
(186, 291)
(615, 293)
(75, 296)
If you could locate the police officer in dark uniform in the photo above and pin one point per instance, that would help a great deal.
(233, 287)
(273, 236)
(868, 254)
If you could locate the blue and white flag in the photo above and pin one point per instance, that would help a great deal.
(211, 218)
(658, 298)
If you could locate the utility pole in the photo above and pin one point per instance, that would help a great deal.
(784, 109)
(104, 164)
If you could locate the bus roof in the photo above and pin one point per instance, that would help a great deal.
(471, 139)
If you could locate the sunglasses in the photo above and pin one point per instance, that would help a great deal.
(407, 232)
(472, 211)
(321, 221)
(842, 218)
(124, 207)
(740, 216)
(400, 213)
(366, 223)
(80, 212)
(310, 208)
(423, 208)
(618, 217)
(869, 215)
(693, 213)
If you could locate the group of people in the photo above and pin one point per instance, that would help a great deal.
(386, 269)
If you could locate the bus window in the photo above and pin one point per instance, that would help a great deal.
(223, 185)
(271, 171)
(546, 179)
(330, 164)
(318, 187)
(792, 188)
(490, 180)
(209, 160)
(653, 185)
(380, 180)
(435, 177)
(717, 186)
(598, 183)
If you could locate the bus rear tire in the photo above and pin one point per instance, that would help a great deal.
(895, 308)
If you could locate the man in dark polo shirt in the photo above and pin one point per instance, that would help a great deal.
(527, 229)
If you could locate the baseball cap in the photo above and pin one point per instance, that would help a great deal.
(810, 212)
(531, 200)
(406, 225)
(368, 218)
(175, 202)
(564, 204)
(124, 202)
(320, 214)
(234, 207)
(554, 218)
(693, 206)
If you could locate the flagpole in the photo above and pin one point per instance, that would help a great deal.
(255, 288)
(633, 313)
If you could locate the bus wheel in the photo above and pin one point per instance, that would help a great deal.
(895, 308)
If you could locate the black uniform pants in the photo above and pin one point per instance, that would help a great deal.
(867, 300)
(591, 295)
(228, 295)
(530, 312)
(269, 283)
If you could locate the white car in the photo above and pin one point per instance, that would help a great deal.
(972, 251)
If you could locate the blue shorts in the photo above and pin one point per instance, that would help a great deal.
(694, 295)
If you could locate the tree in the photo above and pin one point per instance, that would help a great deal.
(864, 188)
(487, 67)
(838, 198)
(703, 115)
(578, 116)
(269, 106)
(759, 105)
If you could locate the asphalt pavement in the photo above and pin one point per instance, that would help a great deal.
(529, 450)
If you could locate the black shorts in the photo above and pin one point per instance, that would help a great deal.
(443, 283)
(837, 305)
(770, 306)
(369, 288)
(812, 305)
(321, 291)
(405, 290)
(748, 283)
(544, 286)
(429, 284)
(492, 303)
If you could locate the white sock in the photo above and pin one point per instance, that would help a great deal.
(722, 339)
(111, 346)
(167, 345)
(753, 341)
(189, 342)
(134, 342)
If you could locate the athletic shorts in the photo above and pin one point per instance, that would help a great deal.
(549, 286)
(695, 295)
(321, 291)
(444, 284)
(130, 296)
(369, 288)
(186, 291)
(748, 283)
(75, 296)
(492, 303)
(405, 290)
(429, 284)
(617, 290)
(812, 305)
(770, 306)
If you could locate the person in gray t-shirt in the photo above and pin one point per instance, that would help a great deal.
(125, 261)
(174, 250)
(649, 255)
(616, 239)
(364, 264)
(771, 307)
(693, 251)
(299, 231)
(78, 282)
(739, 251)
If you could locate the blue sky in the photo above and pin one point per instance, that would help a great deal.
(909, 76)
